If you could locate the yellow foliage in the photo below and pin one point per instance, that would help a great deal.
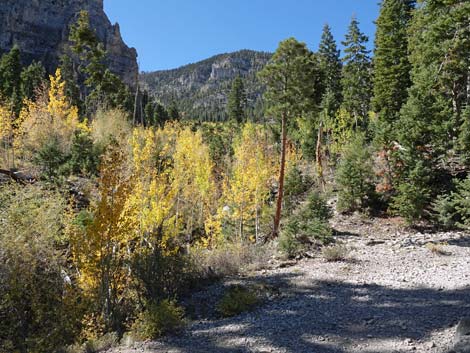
(247, 189)
(59, 106)
(102, 250)
(193, 180)
(50, 116)
(342, 128)
(6, 137)
(152, 200)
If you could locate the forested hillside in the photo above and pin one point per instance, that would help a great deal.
(118, 204)
(201, 89)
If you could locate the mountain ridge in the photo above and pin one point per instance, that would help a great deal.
(201, 88)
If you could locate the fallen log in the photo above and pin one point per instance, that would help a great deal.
(17, 176)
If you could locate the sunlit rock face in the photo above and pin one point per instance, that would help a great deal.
(41, 27)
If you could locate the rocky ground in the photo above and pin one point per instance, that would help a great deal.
(399, 291)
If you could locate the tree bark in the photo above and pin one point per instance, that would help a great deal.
(277, 217)
(318, 156)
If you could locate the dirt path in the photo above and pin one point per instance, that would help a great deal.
(393, 295)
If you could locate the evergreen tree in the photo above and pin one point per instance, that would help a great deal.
(356, 76)
(391, 63)
(32, 78)
(330, 64)
(149, 112)
(292, 78)
(10, 78)
(173, 112)
(236, 105)
(440, 91)
(161, 115)
(71, 80)
(104, 87)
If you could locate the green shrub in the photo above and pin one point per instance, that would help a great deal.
(355, 176)
(445, 213)
(296, 185)
(84, 156)
(413, 191)
(51, 160)
(158, 320)
(236, 300)
(307, 227)
(163, 276)
(454, 210)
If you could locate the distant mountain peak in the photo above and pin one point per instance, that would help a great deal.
(201, 88)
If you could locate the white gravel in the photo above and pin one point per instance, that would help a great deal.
(393, 295)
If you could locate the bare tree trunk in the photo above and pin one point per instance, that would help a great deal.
(136, 101)
(318, 156)
(277, 217)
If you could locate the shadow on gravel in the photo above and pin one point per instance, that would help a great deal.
(339, 233)
(325, 317)
(463, 242)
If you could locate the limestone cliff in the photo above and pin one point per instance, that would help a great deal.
(40, 28)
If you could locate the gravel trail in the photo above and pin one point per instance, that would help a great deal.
(393, 295)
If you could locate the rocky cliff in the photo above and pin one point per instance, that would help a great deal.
(40, 28)
(201, 89)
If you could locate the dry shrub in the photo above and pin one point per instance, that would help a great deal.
(231, 259)
(437, 249)
(110, 125)
(335, 253)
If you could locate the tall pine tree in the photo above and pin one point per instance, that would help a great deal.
(293, 90)
(356, 78)
(391, 64)
(330, 65)
(236, 105)
(431, 119)
(33, 77)
(10, 78)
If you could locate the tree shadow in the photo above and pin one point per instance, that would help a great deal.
(327, 316)
(345, 234)
(462, 241)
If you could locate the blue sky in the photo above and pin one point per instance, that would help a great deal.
(171, 33)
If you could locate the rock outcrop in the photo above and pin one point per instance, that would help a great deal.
(40, 28)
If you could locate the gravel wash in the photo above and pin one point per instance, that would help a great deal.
(399, 291)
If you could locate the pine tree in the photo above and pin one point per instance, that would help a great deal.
(33, 78)
(330, 64)
(236, 105)
(431, 118)
(391, 64)
(391, 82)
(104, 87)
(71, 77)
(356, 76)
(293, 89)
(149, 112)
(10, 78)
(331, 67)
(161, 115)
(173, 112)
